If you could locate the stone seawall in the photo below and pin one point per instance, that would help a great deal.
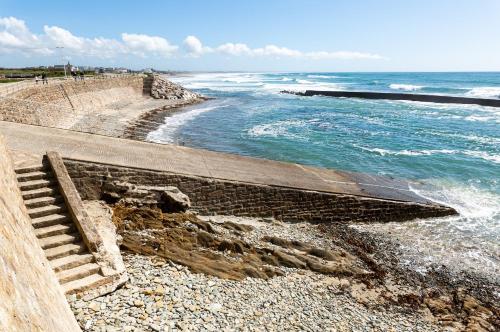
(31, 297)
(211, 196)
(57, 103)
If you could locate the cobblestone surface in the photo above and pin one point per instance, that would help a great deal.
(162, 296)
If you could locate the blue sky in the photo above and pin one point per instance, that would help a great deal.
(255, 35)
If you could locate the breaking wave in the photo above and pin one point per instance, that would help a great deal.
(166, 132)
(405, 87)
(462, 242)
(321, 76)
(485, 92)
(477, 154)
(303, 81)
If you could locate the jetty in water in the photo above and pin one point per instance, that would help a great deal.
(401, 96)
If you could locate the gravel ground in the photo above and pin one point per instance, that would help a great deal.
(163, 296)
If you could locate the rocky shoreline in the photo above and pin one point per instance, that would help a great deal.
(161, 88)
(297, 287)
(149, 121)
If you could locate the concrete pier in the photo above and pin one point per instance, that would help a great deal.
(403, 96)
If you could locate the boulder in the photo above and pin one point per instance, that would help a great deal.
(175, 200)
(162, 88)
(167, 198)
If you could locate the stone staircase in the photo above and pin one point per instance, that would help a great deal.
(74, 265)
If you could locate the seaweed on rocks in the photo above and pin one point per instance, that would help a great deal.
(457, 300)
(187, 240)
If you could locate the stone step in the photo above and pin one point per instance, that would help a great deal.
(40, 192)
(43, 201)
(65, 250)
(37, 168)
(78, 272)
(56, 229)
(23, 177)
(72, 261)
(80, 285)
(50, 220)
(37, 184)
(46, 210)
(59, 240)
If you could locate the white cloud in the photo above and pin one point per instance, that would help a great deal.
(15, 36)
(63, 38)
(240, 49)
(194, 47)
(276, 51)
(234, 49)
(144, 44)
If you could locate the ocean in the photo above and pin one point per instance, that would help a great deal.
(453, 151)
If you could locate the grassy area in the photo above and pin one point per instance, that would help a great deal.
(9, 80)
(37, 72)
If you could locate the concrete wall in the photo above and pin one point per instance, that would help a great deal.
(30, 296)
(50, 105)
(404, 96)
(242, 199)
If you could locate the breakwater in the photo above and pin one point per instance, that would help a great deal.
(401, 96)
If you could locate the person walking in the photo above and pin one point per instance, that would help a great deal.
(44, 79)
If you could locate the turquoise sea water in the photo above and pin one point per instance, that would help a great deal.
(454, 148)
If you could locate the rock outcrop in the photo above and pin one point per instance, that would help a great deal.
(167, 198)
(162, 88)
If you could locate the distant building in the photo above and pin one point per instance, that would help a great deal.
(121, 70)
(66, 67)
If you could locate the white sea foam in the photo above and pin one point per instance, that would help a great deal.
(303, 81)
(405, 87)
(384, 152)
(468, 241)
(484, 155)
(471, 138)
(276, 129)
(286, 79)
(476, 154)
(482, 118)
(165, 133)
(301, 87)
(485, 92)
(321, 76)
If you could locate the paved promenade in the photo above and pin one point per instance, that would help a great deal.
(188, 161)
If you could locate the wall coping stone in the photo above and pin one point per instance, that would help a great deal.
(86, 227)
